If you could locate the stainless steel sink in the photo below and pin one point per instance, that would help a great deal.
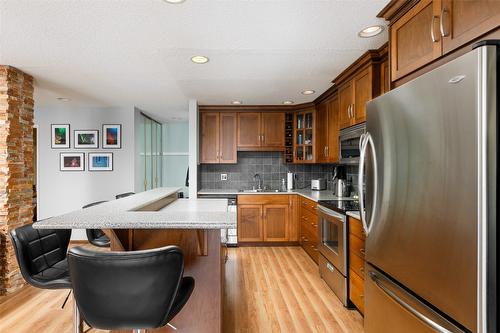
(260, 191)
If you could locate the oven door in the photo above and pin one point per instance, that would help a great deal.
(349, 144)
(332, 238)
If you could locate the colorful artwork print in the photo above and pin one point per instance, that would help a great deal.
(72, 162)
(60, 136)
(86, 139)
(100, 161)
(111, 136)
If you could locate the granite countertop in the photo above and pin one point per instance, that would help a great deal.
(306, 193)
(354, 214)
(122, 214)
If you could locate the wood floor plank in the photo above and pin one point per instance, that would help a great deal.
(267, 289)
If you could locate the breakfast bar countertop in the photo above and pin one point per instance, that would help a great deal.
(124, 214)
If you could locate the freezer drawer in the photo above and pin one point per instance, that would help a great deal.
(334, 279)
(390, 308)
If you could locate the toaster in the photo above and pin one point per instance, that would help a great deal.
(318, 184)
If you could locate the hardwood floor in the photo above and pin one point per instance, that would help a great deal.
(268, 289)
(278, 289)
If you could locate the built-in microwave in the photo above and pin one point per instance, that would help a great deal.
(349, 143)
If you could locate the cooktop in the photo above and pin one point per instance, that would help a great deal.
(341, 206)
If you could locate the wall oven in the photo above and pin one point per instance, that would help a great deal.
(349, 143)
(333, 251)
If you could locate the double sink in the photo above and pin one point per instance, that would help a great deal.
(261, 191)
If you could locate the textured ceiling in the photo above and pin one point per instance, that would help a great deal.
(137, 52)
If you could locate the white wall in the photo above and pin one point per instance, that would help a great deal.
(60, 192)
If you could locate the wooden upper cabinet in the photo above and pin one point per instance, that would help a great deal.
(362, 93)
(261, 130)
(462, 21)
(209, 137)
(322, 132)
(346, 101)
(218, 137)
(250, 223)
(415, 38)
(333, 131)
(273, 129)
(275, 223)
(249, 132)
(227, 138)
(385, 80)
(423, 31)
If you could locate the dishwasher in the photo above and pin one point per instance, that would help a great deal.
(229, 237)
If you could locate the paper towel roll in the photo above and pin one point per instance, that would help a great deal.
(289, 179)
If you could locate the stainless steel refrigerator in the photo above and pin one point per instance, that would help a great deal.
(428, 177)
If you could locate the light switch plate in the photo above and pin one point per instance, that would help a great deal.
(223, 176)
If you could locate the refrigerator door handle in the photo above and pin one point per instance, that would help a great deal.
(409, 308)
(366, 139)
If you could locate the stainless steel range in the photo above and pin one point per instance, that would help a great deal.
(333, 245)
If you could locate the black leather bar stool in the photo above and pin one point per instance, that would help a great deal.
(123, 195)
(134, 290)
(96, 236)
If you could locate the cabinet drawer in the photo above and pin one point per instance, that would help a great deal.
(357, 264)
(309, 231)
(357, 291)
(356, 228)
(357, 246)
(263, 199)
(308, 204)
(309, 243)
(306, 217)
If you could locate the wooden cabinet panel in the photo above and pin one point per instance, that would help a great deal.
(357, 264)
(357, 246)
(293, 220)
(308, 204)
(385, 80)
(227, 138)
(322, 132)
(249, 130)
(309, 243)
(250, 223)
(363, 85)
(357, 290)
(356, 228)
(462, 21)
(411, 38)
(333, 131)
(209, 137)
(273, 129)
(346, 100)
(275, 223)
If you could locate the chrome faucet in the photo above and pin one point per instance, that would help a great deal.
(259, 184)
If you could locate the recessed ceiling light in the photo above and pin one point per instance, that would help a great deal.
(308, 92)
(199, 59)
(287, 102)
(174, 1)
(371, 31)
(236, 102)
(63, 99)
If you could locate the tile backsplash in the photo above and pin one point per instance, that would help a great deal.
(271, 167)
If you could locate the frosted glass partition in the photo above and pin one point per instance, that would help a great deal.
(150, 143)
(175, 154)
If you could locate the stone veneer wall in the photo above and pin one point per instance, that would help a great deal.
(16, 167)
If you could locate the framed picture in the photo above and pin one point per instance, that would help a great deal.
(59, 135)
(72, 162)
(100, 161)
(86, 139)
(111, 136)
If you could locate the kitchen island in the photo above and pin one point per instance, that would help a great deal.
(157, 218)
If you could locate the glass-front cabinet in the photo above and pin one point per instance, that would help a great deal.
(304, 137)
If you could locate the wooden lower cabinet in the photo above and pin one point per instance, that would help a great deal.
(266, 218)
(308, 221)
(356, 264)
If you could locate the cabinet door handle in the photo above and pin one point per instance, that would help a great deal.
(327, 151)
(362, 251)
(263, 137)
(441, 25)
(433, 35)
